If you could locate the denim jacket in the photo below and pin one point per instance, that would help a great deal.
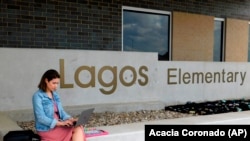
(43, 109)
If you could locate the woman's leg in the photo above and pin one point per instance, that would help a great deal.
(78, 134)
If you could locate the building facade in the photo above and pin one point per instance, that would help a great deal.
(100, 25)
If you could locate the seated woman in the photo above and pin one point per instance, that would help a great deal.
(52, 122)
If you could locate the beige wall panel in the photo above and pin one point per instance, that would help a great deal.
(192, 37)
(236, 43)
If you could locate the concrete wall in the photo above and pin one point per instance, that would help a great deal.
(132, 77)
(230, 85)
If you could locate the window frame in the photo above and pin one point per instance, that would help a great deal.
(248, 47)
(223, 39)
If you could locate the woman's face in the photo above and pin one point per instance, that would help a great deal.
(52, 84)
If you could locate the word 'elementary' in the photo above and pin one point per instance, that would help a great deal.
(177, 76)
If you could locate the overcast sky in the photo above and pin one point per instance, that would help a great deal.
(145, 32)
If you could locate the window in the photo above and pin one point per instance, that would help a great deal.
(146, 31)
(218, 53)
(249, 43)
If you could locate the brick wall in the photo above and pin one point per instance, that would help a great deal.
(90, 24)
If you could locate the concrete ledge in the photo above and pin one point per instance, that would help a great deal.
(8, 118)
(135, 131)
(6, 125)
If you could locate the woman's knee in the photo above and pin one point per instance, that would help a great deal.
(78, 134)
(78, 129)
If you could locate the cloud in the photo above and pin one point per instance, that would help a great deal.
(145, 32)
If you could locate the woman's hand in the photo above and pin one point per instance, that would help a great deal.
(68, 122)
(73, 119)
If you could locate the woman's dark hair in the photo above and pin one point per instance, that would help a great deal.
(49, 75)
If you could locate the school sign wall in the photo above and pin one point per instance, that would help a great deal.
(99, 77)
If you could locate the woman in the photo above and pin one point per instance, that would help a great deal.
(52, 122)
